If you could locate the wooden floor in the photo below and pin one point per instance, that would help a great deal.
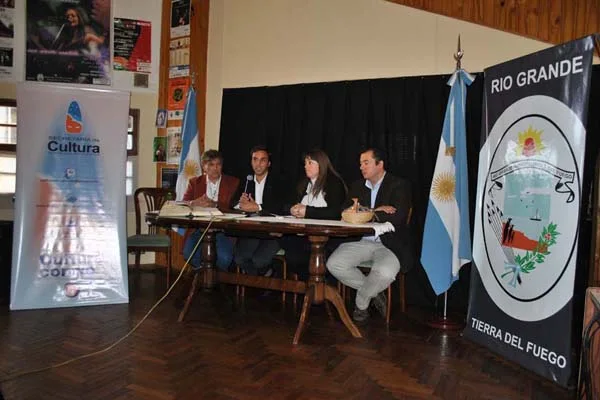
(226, 350)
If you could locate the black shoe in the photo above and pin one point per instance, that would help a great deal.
(380, 304)
(359, 315)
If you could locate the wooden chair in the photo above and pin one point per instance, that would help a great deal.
(240, 290)
(401, 284)
(152, 199)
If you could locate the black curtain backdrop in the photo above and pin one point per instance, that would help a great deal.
(402, 116)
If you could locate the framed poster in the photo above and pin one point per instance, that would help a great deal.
(168, 178)
(68, 42)
(133, 46)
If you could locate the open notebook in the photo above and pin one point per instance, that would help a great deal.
(183, 209)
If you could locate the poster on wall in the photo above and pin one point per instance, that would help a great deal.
(7, 35)
(528, 207)
(173, 144)
(132, 48)
(159, 149)
(178, 89)
(69, 245)
(168, 177)
(180, 18)
(68, 41)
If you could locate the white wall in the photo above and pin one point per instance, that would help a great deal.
(274, 42)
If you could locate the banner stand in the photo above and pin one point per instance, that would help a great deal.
(69, 239)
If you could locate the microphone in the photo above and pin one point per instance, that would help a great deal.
(249, 178)
(58, 35)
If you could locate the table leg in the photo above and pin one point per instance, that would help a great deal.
(206, 275)
(318, 291)
(334, 297)
(308, 300)
(209, 258)
(189, 297)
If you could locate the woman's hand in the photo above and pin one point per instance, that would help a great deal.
(298, 210)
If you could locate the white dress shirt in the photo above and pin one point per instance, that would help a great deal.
(311, 200)
(212, 189)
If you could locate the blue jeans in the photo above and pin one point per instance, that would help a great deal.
(224, 247)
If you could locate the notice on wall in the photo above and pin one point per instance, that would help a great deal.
(133, 45)
(7, 34)
(179, 51)
(179, 71)
(173, 144)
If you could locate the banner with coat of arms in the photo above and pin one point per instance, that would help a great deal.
(528, 207)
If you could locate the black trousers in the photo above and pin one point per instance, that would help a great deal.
(297, 254)
(254, 255)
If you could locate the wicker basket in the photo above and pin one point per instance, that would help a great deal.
(357, 217)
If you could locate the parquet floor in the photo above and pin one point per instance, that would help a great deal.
(226, 350)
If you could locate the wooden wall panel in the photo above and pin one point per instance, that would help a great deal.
(553, 21)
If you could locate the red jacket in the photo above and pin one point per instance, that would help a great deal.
(197, 187)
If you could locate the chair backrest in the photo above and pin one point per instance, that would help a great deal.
(152, 199)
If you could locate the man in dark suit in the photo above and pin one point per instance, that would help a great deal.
(260, 195)
(212, 189)
(390, 198)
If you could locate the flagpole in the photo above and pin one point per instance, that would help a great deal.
(444, 322)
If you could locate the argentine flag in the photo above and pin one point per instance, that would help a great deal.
(447, 235)
(189, 163)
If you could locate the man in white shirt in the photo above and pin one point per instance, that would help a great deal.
(390, 198)
(260, 195)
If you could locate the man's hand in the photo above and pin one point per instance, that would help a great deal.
(203, 201)
(386, 209)
(248, 204)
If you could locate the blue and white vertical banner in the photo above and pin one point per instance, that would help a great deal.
(529, 206)
(70, 244)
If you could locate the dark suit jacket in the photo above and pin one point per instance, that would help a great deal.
(334, 193)
(392, 192)
(273, 194)
(197, 187)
